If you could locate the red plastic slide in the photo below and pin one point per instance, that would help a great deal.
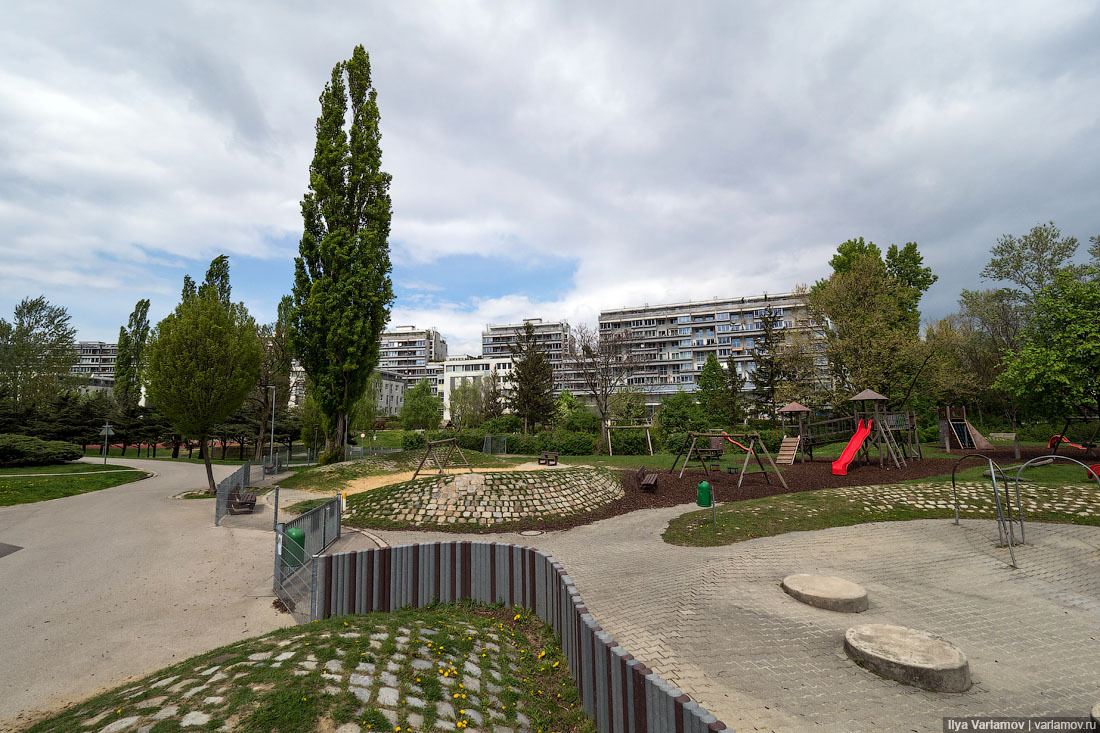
(737, 444)
(1056, 439)
(840, 465)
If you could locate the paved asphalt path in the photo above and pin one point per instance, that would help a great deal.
(115, 584)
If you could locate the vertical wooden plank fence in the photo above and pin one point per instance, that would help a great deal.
(617, 691)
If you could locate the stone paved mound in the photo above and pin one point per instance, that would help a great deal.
(487, 499)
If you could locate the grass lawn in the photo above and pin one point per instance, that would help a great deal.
(1057, 494)
(331, 479)
(28, 489)
(62, 468)
(404, 671)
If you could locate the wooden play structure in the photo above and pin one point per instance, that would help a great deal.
(437, 446)
(708, 448)
(644, 426)
(892, 433)
(957, 432)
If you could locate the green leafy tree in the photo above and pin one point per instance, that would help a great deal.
(868, 311)
(203, 358)
(130, 362)
(312, 421)
(37, 352)
(364, 413)
(564, 406)
(467, 405)
(342, 288)
(421, 410)
(679, 413)
(532, 379)
(274, 373)
(627, 407)
(1032, 260)
(1056, 368)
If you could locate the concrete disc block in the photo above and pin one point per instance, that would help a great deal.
(825, 591)
(914, 657)
(1096, 713)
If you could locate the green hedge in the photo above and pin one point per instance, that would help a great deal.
(23, 450)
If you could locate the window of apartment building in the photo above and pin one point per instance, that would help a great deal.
(721, 316)
(723, 339)
(685, 331)
(722, 327)
(683, 319)
(723, 352)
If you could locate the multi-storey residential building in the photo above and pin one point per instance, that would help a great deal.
(391, 395)
(96, 363)
(460, 369)
(553, 338)
(408, 350)
(671, 342)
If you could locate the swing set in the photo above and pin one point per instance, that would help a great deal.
(435, 447)
(693, 449)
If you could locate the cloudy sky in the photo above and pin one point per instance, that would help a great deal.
(548, 159)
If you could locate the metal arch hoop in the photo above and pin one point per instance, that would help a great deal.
(1004, 526)
(1088, 471)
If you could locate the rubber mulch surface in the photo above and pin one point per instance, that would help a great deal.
(674, 491)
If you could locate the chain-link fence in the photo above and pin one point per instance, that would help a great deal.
(295, 577)
(232, 495)
(351, 452)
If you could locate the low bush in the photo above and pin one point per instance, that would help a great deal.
(24, 450)
(629, 443)
(503, 425)
(412, 440)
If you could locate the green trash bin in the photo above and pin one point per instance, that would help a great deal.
(294, 547)
(703, 497)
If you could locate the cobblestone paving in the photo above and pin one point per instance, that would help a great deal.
(427, 676)
(715, 622)
(489, 498)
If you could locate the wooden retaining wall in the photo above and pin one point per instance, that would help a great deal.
(618, 692)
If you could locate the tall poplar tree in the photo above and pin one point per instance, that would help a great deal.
(130, 362)
(342, 288)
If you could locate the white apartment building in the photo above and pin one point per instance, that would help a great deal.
(408, 350)
(96, 363)
(391, 396)
(554, 339)
(462, 369)
(672, 342)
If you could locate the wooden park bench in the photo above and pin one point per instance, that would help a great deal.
(646, 481)
(548, 458)
(238, 503)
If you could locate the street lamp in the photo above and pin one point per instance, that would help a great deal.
(272, 388)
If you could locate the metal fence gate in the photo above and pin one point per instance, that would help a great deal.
(295, 576)
(495, 444)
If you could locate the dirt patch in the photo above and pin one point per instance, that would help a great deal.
(359, 485)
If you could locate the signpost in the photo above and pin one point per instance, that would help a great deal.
(105, 432)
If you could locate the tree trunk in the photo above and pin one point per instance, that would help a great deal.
(123, 454)
(190, 449)
(240, 450)
(176, 449)
(154, 449)
(209, 470)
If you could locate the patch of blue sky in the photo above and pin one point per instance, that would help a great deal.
(467, 278)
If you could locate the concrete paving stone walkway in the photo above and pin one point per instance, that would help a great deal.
(115, 584)
(715, 622)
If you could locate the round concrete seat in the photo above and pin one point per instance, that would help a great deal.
(824, 591)
(1096, 713)
(914, 657)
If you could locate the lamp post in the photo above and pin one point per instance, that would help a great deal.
(272, 388)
